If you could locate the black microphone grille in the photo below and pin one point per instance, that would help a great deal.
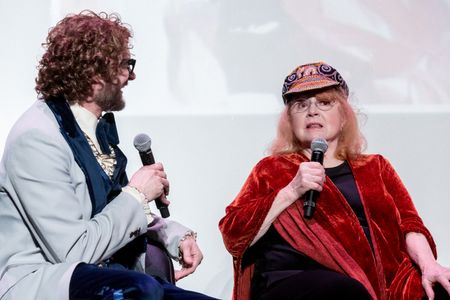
(142, 142)
(319, 144)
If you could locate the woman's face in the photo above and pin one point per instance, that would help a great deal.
(314, 116)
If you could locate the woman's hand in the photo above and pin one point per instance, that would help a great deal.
(433, 273)
(310, 176)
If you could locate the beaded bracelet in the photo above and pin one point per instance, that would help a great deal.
(190, 233)
(135, 192)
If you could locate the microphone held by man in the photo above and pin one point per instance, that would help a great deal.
(142, 143)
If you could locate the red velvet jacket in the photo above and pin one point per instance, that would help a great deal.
(333, 237)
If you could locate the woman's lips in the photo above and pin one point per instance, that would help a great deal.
(314, 125)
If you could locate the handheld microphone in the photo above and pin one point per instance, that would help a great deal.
(142, 143)
(318, 146)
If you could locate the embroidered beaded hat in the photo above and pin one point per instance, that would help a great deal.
(310, 77)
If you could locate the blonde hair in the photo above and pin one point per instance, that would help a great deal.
(351, 142)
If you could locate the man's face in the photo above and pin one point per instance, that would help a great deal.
(110, 98)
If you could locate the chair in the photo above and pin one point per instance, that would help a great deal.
(158, 262)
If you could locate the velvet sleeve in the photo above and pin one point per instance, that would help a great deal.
(410, 220)
(245, 215)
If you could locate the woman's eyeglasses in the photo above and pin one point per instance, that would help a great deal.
(304, 105)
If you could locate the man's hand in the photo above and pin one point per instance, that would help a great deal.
(151, 181)
(191, 257)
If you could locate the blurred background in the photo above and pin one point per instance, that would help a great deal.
(209, 77)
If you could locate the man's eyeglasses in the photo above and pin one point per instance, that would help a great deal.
(129, 64)
(304, 105)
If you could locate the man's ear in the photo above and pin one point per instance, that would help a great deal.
(98, 84)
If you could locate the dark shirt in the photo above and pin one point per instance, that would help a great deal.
(342, 177)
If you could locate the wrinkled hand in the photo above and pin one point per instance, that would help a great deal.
(152, 181)
(191, 257)
(310, 176)
(435, 273)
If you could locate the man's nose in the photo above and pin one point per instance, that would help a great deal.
(132, 76)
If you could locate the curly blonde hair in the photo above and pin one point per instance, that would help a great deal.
(351, 142)
(80, 49)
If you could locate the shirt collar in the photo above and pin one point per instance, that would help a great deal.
(87, 122)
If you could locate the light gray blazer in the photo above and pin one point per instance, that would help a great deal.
(46, 227)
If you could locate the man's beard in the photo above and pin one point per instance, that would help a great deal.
(110, 98)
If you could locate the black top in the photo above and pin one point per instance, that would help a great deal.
(275, 259)
(342, 177)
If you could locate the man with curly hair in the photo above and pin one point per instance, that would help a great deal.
(73, 225)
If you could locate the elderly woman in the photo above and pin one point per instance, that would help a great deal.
(365, 239)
